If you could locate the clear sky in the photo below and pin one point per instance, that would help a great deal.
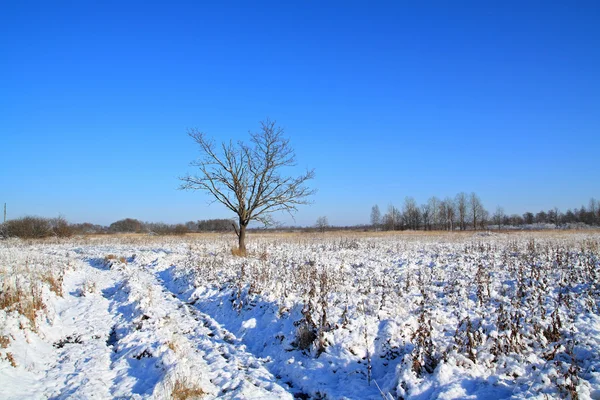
(384, 99)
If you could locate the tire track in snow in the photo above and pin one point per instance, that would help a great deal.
(160, 336)
(82, 367)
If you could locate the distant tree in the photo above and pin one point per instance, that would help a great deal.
(426, 216)
(434, 209)
(322, 224)
(498, 217)
(247, 179)
(375, 217)
(447, 211)
(191, 226)
(411, 213)
(528, 218)
(541, 217)
(477, 210)
(583, 215)
(554, 216)
(570, 217)
(392, 219)
(461, 210)
(484, 218)
(594, 210)
(515, 220)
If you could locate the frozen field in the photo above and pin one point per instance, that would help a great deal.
(335, 316)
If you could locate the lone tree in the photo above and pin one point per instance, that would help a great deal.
(247, 179)
(322, 224)
(375, 217)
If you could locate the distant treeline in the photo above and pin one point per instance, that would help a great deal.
(466, 212)
(462, 212)
(31, 227)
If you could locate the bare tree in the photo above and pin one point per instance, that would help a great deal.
(461, 209)
(375, 217)
(484, 217)
(447, 211)
(498, 217)
(426, 216)
(434, 209)
(594, 209)
(322, 224)
(392, 219)
(247, 178)
(476, 208)
(411, 213)
(528, 218)
(554, 216)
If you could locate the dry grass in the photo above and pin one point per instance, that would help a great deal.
(4, 342)
(55, 283)
(25, 298)
(142, 238)
(21, 287)
(263, 256)
(11, 359)
(110, 259)
(185, 389)
(171, 345)
(237, 252)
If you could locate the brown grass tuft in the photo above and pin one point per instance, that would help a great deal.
(27, 301)
(184, 389)
(11, 359)
(264, 256)
(55, 283)
(237, 252)
(171, 345)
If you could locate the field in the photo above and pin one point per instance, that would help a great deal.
(321, 316)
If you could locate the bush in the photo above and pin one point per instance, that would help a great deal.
(180, 229)
(161, 228)
(88, 228)
(216, 225)
(29, 228)
(61, 228)
(127, 225)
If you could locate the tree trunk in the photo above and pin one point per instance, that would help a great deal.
(242, 239)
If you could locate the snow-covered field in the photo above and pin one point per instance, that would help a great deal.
(356, 316)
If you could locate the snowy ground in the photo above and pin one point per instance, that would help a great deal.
(412, 316)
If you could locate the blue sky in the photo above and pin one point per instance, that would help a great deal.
(384, 99)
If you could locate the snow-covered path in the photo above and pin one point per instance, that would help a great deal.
(117, 333)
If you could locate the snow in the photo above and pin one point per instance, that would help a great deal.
(305, 316)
